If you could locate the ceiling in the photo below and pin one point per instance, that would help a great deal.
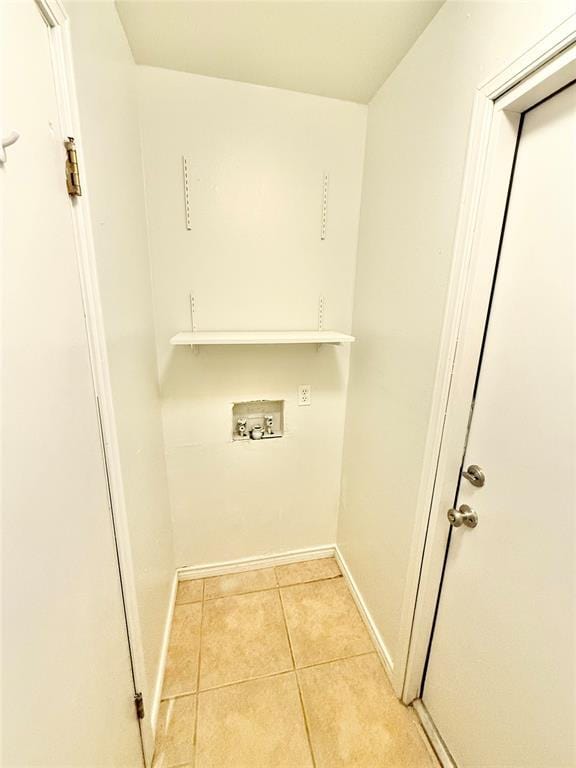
(339, 48)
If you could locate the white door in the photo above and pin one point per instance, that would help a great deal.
(67, 689)
(500, 684)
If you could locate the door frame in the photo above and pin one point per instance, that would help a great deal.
(499, 102)
(57, 20)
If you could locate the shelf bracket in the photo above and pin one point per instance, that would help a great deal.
(324, 216)
(186, 168)
(194, 347)
(321, 303)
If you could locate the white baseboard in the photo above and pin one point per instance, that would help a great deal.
(251, 563)
(155, 707)
(365, 613)
(442, 753)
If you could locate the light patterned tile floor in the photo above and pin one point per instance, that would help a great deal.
(274, 668)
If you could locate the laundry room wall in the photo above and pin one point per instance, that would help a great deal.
(416, 145)
(253, 259)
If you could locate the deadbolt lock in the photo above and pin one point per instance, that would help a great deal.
(465, 515)
(475, 475)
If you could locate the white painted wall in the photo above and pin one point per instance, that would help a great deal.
(105, 76)
(253, 260)
(416, 145)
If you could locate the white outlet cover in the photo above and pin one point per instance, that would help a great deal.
(304, 394)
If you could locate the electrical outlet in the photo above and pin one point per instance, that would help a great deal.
(304, 394)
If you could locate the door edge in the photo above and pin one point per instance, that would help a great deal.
(445, 758)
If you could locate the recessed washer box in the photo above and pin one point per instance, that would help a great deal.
(258, 420)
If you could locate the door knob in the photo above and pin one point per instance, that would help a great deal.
(475, 475)
(465, 515)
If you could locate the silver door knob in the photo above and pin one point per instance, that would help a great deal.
(465, 515)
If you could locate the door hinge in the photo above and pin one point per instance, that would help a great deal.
(139, 704)
(72, 170)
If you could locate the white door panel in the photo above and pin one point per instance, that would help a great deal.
(501, 675)
(66, 678)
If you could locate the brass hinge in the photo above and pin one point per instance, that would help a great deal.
(72, 170)
(139, 703)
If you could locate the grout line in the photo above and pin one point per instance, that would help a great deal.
(340, 658)
(268, 589)
(300, 697)
(306, 723)
(283, 609)
(182, 695)
(270, 674)
(279, 673)
(238, 594)
(238, 573)
(195, 739)
(190, 602)
(310, 581)
(186, 602)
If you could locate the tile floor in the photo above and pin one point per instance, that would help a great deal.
(274, 668)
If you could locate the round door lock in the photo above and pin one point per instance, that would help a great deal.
(464, 515)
